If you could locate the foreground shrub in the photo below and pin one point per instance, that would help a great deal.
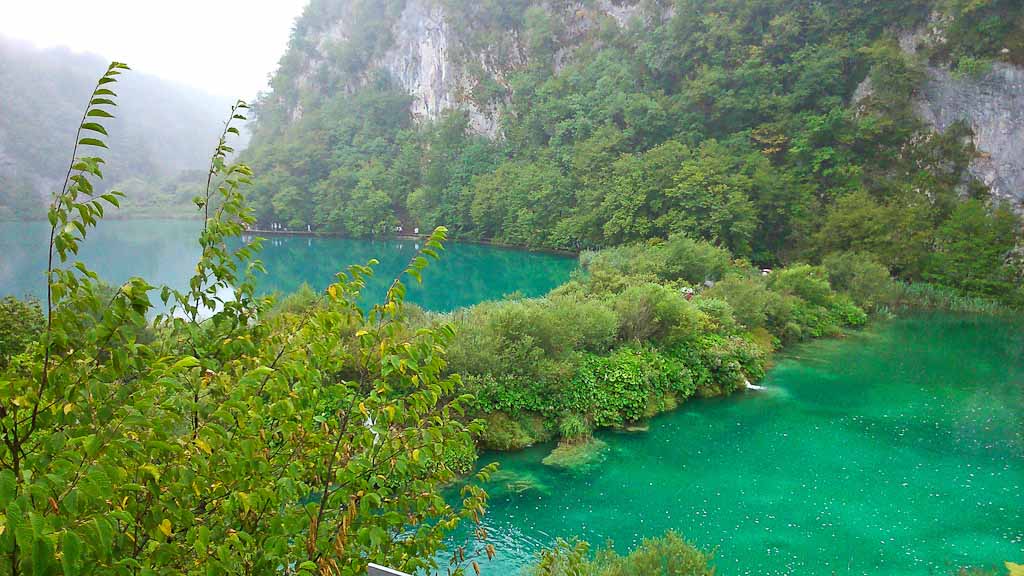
(230, 443)
(669, 555)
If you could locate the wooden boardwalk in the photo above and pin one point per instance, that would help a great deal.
(376, 570)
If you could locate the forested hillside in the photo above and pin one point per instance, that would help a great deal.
(162, 130)
(595, 123)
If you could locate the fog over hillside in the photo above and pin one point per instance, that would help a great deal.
(162, 128)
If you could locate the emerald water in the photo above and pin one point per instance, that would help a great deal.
(165, 252)
(897, 451)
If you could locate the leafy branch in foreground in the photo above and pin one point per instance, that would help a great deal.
(219, 438)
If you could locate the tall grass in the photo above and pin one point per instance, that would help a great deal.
(936, 297)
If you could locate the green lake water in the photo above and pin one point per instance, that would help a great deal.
(165, 252)
(896, 451)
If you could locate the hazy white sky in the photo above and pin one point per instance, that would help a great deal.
(224, 47)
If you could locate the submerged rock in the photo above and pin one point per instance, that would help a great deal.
(577, 457)
(515, 483)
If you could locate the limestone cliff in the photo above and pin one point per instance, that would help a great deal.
(993, 106)
(431, 56)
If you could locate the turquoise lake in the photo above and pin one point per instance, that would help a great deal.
(165, 252)
(896, 451)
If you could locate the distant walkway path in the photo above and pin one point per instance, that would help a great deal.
(313, 233)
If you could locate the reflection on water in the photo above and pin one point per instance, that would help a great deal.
(165, 252)
(896, 452)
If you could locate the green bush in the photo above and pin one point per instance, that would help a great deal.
(753, 304)
(573, 427)
(21, 323)
(655, 313)
(680, 258)
(612, 389)
(862, 277)
(810, 283)
(296, 302)
(719, 312)
(669, 555)
(503, 433)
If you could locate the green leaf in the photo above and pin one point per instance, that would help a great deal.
(91, 142)
(95, 128)
(102, 102)
(186, 362)
(42, 554)
(71, 561)
(99, 113)
(8, 488)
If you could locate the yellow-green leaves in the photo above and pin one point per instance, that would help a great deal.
(221, 436)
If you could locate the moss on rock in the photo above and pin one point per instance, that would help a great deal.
(578, 456)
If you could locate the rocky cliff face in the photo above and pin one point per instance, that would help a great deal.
(993, 106)
(427, 57)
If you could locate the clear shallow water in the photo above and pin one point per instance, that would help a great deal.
(165, 252)
(898, 451)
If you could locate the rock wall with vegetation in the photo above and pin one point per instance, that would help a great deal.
(588, 124)
(992, 105)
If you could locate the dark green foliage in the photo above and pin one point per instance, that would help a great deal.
(979, 30)
(21, 323)
(862, 277)
(972, 250)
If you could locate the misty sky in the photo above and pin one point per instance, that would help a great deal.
(223, 47)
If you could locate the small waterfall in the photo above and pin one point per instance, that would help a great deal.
(754, 386)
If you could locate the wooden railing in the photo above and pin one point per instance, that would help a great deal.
(376, 570)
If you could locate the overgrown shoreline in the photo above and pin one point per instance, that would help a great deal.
(646, 327)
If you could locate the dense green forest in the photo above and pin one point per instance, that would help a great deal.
(733, 122)
(156, 158)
